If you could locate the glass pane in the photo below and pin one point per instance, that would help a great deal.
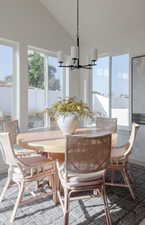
(6, 83)
(55, 84)
(55, 81)
(36, 92)
(101, 86)
(120, 89)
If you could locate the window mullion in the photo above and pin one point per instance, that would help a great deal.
(110, 86)
(46, 118)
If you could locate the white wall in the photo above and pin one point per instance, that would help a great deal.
(28, 22)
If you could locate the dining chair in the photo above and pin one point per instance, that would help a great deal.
(119, 160)
(23, 171)
(86, 160)
(3, 120)
(12, 127)
(108, 124)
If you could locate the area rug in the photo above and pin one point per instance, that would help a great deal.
(143, 222)
(124, 210)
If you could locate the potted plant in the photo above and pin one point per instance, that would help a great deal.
(68, 113)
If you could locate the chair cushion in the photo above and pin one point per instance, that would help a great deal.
(79, 179)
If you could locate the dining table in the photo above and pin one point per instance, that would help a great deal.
(52, 143)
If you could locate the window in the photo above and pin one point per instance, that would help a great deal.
(36, 100)
(55, 81)
(6, 81)
(101, 87)
(110, 95)
(120, 89)
(45, 86)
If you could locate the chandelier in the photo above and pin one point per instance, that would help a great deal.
(75, 53)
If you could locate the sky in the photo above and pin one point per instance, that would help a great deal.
(120, 67)
(6, 61)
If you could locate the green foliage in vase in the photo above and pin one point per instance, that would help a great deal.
(67, 106)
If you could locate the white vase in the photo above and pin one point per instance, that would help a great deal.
(68, 123)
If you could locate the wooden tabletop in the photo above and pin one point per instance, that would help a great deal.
(53, 141)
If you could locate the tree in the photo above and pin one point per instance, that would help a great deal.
(8, 78)
(36, 70)
(36, 73)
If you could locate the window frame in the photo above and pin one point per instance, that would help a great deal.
(15, 46)
(47, 54)
(110, 90)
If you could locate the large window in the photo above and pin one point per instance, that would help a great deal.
(6, 81)
(120, 89)
(110, 95)
(45, 86)
(101, 87)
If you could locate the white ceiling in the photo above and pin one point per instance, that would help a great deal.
(109, 25)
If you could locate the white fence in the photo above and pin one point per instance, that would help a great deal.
(36, 103)
(36, 99)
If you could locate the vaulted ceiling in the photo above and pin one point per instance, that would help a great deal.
(105, 24)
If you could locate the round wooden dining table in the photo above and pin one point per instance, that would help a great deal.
(53, 142)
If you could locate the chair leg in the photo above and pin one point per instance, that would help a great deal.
(127, 181)
(19, 198)
(104, 196)
(55, 188)
(130, 177)
(54, 192)
(5, 188)
(66, 207)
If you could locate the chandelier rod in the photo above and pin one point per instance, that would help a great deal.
(75, 50)
(78, 38)
(77, 18)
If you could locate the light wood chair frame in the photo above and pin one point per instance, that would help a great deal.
(36, 173)
(106, 123)
(12, 127)
(98, 189)
(121, 163)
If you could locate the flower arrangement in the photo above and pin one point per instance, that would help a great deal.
(69, 106)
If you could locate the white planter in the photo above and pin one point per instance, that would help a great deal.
(68, 123)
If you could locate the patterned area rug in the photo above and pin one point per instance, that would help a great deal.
(142, 223)
(124, 210)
